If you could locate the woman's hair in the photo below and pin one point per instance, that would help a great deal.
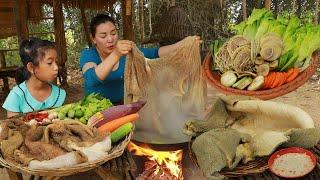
(31, 50)
(97, 20)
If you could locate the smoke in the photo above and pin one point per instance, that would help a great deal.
(166, 111)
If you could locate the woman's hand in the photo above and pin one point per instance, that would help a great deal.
(123, 47)
(173, 47)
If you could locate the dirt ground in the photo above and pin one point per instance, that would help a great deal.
(306, 97)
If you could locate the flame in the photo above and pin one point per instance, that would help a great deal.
(171, 159)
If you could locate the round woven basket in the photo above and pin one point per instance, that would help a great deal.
(258, 165)
(115, 152)
(213, 78)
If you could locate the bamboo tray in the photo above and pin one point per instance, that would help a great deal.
(115, 152)
(213, 79)
(258, 165)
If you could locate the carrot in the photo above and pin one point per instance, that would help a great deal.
(277, 80)
(293, 75)
(283, 78)
(280, 79)
(268, 83)
(290, 72)
(116, 123)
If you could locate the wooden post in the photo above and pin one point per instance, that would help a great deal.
(141, 19)
(20, 14)
(316, 19)
(244, 9)
(3, 65)
(85, 23)
(60, 40)
(127, 25)
(267, 4)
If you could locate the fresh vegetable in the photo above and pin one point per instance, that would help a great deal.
(121, 132)
(243, 83)
(273, 64)
(276, 79)
(271, 46)
(228, 78)
(300, 38)
(39, 116)
(115, 124)
(256, 84)
(263, 69)
(292, 74)
(114, 112)
(85, 108)
(279, 79)
(236, 55)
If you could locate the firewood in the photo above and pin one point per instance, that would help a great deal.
(119, 164)
(113, 165)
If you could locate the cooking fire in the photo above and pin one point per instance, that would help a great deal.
(160, 164)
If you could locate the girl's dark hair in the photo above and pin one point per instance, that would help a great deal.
(97, 20)
(31, 50)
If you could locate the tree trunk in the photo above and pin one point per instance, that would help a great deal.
(316, 19)
(20, 13)
(60, 41)
(141, 19)
(244, 9)
(85, 23)
(294, 6)
(276, 7)
(257, 4)
(223, 18)
(267, 4)
(127, 24)
(299, 9)
(172, 3)
(150, 17)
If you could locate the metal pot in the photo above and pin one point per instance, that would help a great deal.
(164, 147)
(155, 138)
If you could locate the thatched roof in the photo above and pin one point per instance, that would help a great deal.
(34, 13)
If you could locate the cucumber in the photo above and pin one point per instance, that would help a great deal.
(121, 132)
(242, 83)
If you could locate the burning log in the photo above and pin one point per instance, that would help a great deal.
(160, 165)
(122, 167)
(153, 170)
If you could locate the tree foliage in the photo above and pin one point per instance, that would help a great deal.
(211, 20)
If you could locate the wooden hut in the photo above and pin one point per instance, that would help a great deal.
(15, 15)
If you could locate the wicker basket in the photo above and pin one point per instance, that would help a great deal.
(258, 165)
(114, 152)
(213, 78)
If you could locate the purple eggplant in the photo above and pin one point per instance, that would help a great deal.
(114, 112)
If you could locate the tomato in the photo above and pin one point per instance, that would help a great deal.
(37, 116)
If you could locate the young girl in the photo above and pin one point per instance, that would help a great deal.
(34, 90)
